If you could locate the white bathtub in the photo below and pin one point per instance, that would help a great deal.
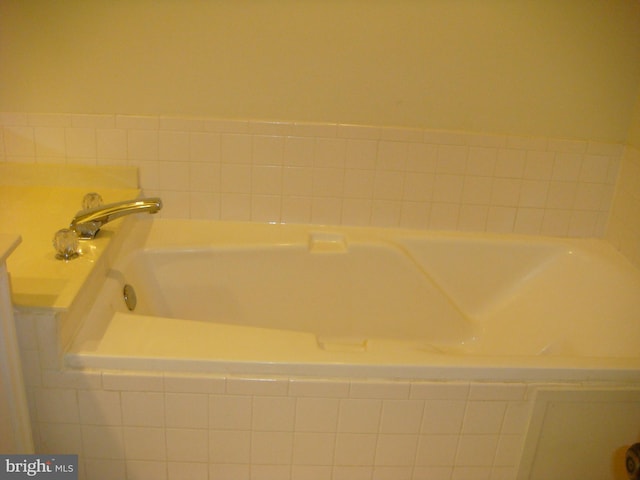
(338, 301)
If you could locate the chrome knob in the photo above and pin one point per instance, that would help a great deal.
(92, 200)
(65, 242)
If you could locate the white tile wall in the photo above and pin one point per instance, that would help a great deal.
(138, 425)
(154, 425)
(172, 426)
(340, 174)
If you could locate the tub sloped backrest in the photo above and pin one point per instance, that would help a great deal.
(479, 274)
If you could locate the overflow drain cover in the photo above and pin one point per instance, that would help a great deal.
(129, 295)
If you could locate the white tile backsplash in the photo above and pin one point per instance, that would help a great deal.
(400, 177)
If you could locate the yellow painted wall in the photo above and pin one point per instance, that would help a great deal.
(567, 68)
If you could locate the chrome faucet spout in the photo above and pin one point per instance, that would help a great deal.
(86, 223)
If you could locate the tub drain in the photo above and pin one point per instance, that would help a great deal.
(129, 295)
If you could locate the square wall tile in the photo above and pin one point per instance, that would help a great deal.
(443, 417)
(396, 450)
(230, 412)
(392, 156)
(296, 210)
(342, 472)
(111, 144)
(229, 446)
(50, 142)
(186, 410)
(102, 442)
(476, 450)
(273, 414)
(57, 406)
(54, 438)
(508, 450)
(266, 208)
(100, 469)
(187, 471)
(99, 407)
(143, 408)
(316, 414)
(80, 142)
(204, 147)
(330, 153)
(229, 472)
(355, 449)
(452, 159)
(359, 415)
(313, 448)
(299, 151)
(235, 149)
(145, 443)
(143, 469)
(142, 144)
(268, 150)
(386, 213)
(173, 146)
(19, 141)
(401, 416)
(310, 472)
(483, 417)
(271, 448)
(187, 445)
(436, 450)
(361, 154)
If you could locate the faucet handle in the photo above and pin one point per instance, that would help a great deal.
(65, 242)
(91, 200)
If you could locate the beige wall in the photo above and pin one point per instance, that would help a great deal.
(567, 69)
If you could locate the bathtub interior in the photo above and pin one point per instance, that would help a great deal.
(420, 297)
(367, 290)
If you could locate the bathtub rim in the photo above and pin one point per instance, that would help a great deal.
(482, 369)
(149, 234)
